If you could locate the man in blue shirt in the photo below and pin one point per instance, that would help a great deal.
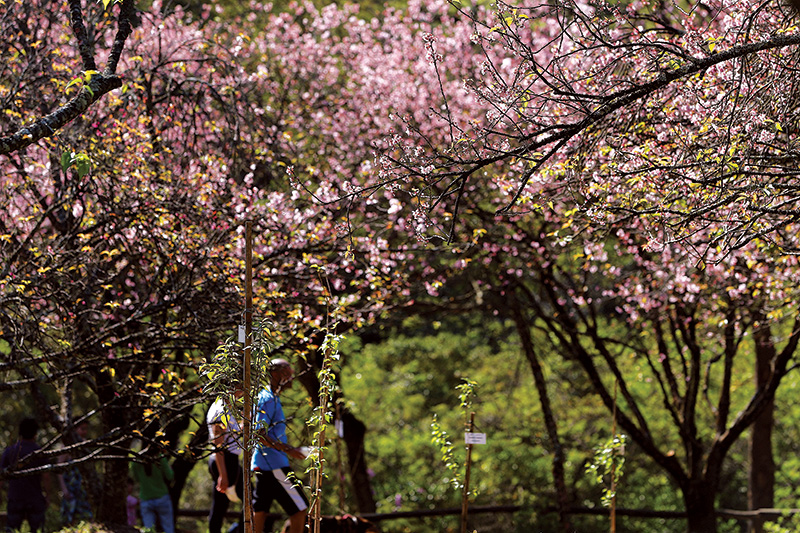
(270, 463)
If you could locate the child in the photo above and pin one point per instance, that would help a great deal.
(131, 503)
(154, 500)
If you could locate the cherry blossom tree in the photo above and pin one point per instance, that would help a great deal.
(683, 115)
(637, 120)
(122, 245)
(579, 124)
(38, 107)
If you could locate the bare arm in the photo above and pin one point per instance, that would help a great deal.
(219, 442)
(268, 441)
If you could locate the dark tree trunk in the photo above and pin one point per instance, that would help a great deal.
(114, 488)
(700, 513)
(761, 486)
(562, 495)
(186, 461)
(354, 431)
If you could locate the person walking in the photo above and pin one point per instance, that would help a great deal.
(28, 494)
(153, 478)
(275, 481)
(226, 473)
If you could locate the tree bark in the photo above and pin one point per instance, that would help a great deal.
(114, 488)
(354, 432)
(186, 460)
(761, 479)
(700, 513)
(562, 495)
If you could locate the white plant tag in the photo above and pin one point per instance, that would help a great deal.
(475, 438)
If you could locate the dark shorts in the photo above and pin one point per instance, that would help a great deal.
(280, 486)
(34, 514)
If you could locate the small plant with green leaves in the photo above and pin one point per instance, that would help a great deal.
(77, 160)
(607, 466)
(225, 369)
(322, 415)
(466, 395)
(786, 524)
(441, 440)
(320, 420)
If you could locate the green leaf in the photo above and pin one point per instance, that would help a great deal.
(82, 164)
(75, 81)
(66, 160)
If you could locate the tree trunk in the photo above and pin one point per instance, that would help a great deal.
(185, 462)
(562, 495)
(354, 431)
(114, 488)
(700, 513)
(761, 482)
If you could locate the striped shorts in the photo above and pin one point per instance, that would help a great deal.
(278, 485)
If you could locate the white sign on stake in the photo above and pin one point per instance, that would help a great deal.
(475, 438)
(242, 335)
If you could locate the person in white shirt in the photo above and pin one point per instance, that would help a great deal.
(226, 473)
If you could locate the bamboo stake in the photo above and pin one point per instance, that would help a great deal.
(248, 400)
(316, 515)
(465, 496)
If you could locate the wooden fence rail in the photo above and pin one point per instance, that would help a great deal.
(769, 514)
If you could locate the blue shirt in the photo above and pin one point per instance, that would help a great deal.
(269, 415)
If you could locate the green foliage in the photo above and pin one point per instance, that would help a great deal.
(80, 161)
(396, 385)
(226, 367)
(788, 524)
(466, 394)
(446, 448)
(322, 415)
(607, 466)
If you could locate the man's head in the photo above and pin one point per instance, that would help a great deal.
(28, 428)
(281, 375)
(237, 388)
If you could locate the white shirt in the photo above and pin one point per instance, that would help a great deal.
(222, 414)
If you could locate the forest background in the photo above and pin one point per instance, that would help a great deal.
(586, 208)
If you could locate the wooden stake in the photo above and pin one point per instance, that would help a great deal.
(316, 515)
(465, 496)
(248, 399)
